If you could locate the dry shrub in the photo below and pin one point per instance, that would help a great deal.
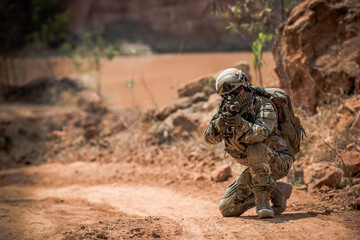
(332, 131)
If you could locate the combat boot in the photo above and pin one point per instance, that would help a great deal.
(279, 197)
(262, 203)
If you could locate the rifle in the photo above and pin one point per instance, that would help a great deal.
(230, 106)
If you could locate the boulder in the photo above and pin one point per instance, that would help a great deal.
(212, 103)
(57, 135)
(182, 103)
(352, 104)
(206, 83)
(176, 127)
(221, 173)
(321, 174)
(90, 101)
(199, 177)
(352, 162)
(5, 143)
(316, 51)
(91, 132)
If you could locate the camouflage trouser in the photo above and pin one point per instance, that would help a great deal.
(265, 167)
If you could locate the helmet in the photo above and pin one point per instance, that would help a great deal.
(229, 80)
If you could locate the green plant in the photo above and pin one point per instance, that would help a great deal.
(130, 85)
(254, 16)
(255, 21)
(297, 182)
(257, 48)
(49, 22)
(87, 56)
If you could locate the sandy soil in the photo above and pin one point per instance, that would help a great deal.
(84, 200)
(123, 199)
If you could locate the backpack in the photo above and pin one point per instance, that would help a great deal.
(288, 122)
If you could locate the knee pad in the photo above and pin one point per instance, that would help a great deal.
(256, 151)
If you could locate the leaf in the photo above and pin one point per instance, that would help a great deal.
(130, 83)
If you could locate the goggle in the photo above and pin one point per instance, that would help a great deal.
(228, 87)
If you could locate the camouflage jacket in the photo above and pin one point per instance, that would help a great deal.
(262, 127)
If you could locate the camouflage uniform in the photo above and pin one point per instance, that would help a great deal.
(258, 146)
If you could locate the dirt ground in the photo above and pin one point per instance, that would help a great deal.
(84, 200)
(147, 196)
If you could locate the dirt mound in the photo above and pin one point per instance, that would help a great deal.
(40, 91)
(316, 51)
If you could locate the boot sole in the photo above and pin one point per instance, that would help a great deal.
(265, 213)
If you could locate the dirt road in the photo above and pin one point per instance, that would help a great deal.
(83, 200)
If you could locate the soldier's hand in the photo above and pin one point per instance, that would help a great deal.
(220, 123)
(234, 120)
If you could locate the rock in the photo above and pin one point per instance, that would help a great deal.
(182, 103)
(57, 135)
(91, 132)
(321, 174)
(355, 191)
(221, 174)
(198, 85)
(148, 116)
(182, 123)
(352, 162)
(212, 102)
(356, 181)
(41, 91)
(206, 83)
(5, 143)
(90, 101)
(357, 204)
(177, 126)
(199, 177)
(314, 51)
(352, 104)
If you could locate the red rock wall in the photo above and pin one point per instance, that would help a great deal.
(317, 51)
(166, 25)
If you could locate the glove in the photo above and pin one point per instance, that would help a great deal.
(220, 123)
(234, 120)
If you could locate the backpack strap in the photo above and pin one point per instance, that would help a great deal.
(264, 93)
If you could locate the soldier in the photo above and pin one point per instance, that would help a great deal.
(247, 123)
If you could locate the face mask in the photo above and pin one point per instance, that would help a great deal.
(238, 102)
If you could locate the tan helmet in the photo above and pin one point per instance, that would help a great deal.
(229, 80)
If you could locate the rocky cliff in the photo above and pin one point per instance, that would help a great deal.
(165, 25)
(317, 51)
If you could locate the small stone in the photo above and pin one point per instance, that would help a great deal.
(57, 135)
(221, 173)
(199, 177)
(321, 174)
(90, 133)
(155, 235)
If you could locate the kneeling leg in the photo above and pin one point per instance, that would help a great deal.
(238, 198)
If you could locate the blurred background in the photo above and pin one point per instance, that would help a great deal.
(136, 53)
(103, 106)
